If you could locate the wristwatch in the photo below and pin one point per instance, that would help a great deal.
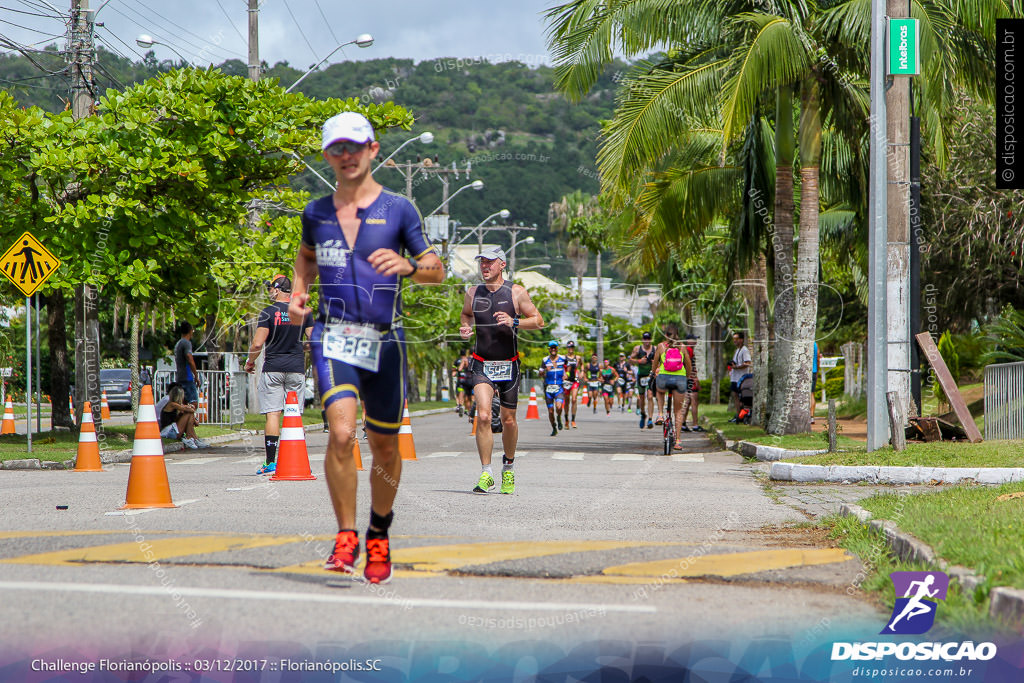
(515, 322)
(415, 267)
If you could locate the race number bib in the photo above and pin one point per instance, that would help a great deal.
(354, 344)
(644, 381)
(608, 388)
(594, 385)
(567, 384)
(621, 382)
(552, 389)
(498, 370)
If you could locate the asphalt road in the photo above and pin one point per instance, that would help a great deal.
(604, 540)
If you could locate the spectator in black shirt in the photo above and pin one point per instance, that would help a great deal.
(284, 366)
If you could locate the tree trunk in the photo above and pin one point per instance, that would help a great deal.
(87, 352)
(600, 313)
(761, 341)
(797, 384)
(716, 362)
(412, 385)
(430, 381)
(133, 356)
(57, 337)
(782, 248)
(440, 383)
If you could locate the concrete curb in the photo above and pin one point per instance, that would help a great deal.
(1005, 603)
(878, 474)
(764, 453)
(716, 434)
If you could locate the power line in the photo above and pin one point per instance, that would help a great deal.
(326, 22)
(230, 21)
(34, 14)
(301, 32)
(26, 28)
(207, 43)
(118, 39)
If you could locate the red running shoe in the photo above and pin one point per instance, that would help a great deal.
(378, 560)
(346, 552)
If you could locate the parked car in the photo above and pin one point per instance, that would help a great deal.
(117, 382)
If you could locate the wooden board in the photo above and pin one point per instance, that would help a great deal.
(949, 386)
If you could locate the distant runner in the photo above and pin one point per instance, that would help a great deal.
(571, 383)
(553, 369)
(593, 373)
(643, 357)
(497, 309)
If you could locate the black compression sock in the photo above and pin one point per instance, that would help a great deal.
(379, 525)
(271, 445)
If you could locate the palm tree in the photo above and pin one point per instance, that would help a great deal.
(725, 60)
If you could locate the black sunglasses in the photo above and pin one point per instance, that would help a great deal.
(336, 149)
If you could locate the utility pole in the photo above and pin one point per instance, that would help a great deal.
(600, 313)
(87, 326)
(254, 40)
(897, 101)
(877, 363)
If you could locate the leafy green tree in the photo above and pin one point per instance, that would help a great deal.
(149, 197)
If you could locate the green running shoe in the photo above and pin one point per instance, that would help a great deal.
(508, 481)
(485, 484)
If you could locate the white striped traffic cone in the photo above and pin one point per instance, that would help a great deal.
(88, 458)
(104, 407)
(8, 424)
(531, 410)
(406, 447)
(147, 479)
(292, 458)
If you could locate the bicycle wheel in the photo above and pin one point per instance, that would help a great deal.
(668, 429)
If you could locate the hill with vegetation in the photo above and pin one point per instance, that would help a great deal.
(526, 142)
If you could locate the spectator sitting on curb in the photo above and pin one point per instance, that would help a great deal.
(178, 419)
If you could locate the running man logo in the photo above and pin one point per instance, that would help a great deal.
(916, 595)
(28, 264)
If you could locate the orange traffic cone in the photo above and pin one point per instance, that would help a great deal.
(531, 410)
(8, 424)
(356, 455)
(201, 412)
(292, 458)
(147, 479)
(88, 459)
(71, 408)
(406, 448)
(585, 399)
(104, 408)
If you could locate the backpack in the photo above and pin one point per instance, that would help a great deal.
(673, 359)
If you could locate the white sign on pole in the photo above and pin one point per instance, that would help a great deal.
(830, 361)
(6, 372)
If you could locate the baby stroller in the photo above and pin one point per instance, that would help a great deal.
(746, 398)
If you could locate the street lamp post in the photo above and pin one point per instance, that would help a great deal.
(512, 251)
(443, 208)
(504, 213)
(425, 138)
(364, 40)
(146, 41)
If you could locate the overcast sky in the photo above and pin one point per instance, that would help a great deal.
(302, 32)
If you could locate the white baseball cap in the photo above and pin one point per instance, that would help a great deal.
(492, 253)
(347, 126)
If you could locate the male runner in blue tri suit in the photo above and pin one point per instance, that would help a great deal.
(553, 368)
(356, 241)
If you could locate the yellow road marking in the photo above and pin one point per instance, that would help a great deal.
(440, 558)
(153, 550)
(730, 564)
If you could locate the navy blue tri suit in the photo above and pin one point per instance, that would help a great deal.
(554, 371)
(357, 303)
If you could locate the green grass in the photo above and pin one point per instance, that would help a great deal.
(720, 414)
(959, 614)
(965, 525)
(935, 454)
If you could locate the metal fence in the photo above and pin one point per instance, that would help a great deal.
(225, 394)
(1004, 401)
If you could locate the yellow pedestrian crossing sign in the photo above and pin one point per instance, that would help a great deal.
(28, 264)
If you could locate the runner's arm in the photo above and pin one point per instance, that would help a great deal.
(466, 317)
(305, 274)
(529, 317)
(656, 363)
